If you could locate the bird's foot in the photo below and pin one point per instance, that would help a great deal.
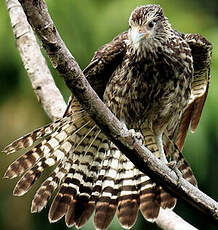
(163, 158)
(174, 166)
(137, 136)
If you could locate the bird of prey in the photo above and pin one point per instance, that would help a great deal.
(155, 80)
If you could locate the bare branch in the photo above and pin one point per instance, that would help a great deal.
(34, 63)
(169, 220)
(64, 62)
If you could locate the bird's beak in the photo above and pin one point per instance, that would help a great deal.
(141, 33)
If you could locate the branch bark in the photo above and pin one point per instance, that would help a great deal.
(168, 220)
(34, 62)
(37, 14)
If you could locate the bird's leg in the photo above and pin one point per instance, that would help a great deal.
(159, 141)
(175, 167)
(173, 164)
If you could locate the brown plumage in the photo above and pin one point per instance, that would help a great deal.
(155, 80)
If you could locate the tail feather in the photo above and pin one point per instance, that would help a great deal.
(30, 177)
(107, 202)
(83, 206)
(77, 213)
(84, 211)
(96, 169)
(167, 200)
(149, 198)
(30, 138)
(64, 198)
(23, 163)
(47, 188)
(85, 179)
(128, 197)
(77, 186)
(60, 204)
(48, 148)
(153, 196)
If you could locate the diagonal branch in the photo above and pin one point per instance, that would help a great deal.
(62, 60)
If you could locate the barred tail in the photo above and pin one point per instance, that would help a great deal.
(47, 188)
(76, 146)
(29, 139)
(106, 204)
(74, 192)
(128, 198)
(161, 198)
(50, 150)
(90, 174)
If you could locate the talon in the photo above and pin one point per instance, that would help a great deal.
(174, 166)
(137, 136)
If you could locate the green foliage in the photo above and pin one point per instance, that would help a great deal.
(85, 26)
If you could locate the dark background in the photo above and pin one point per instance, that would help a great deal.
(85, 26)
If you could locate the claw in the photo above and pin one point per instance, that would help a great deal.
(174, 166)
(137, 136)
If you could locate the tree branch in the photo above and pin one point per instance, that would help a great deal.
(37, 14)
(35, 63)
(168, 220)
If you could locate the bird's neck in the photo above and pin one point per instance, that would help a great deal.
(149, 50)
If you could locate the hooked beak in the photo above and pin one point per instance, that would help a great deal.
(140, 33)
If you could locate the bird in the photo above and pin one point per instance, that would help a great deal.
(155, 80)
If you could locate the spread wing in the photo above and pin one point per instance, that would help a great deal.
(201, 52)
(104, 62)
(102, 65)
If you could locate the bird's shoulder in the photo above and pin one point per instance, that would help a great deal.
(105, 61)
(178, 46)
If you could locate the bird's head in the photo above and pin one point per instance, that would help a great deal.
(147, 25)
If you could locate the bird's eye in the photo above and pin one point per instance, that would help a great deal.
(151, 24)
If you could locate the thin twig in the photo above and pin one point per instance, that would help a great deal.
(35, 63)
(144, 160)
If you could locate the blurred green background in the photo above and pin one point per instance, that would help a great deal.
(84, 26)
